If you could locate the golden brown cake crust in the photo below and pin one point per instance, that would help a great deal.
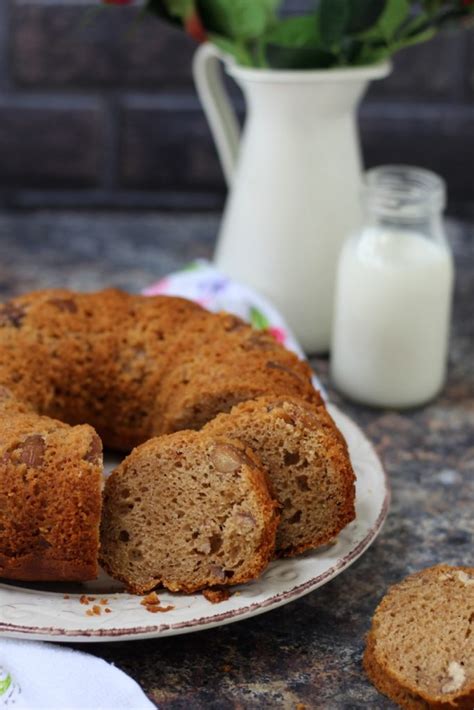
(434, 610)
(50, 497)
(35, 568)
(87, 356)
(159, 364)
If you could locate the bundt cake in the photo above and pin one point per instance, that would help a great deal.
(131, 368)
(307, 463)
(187, 511)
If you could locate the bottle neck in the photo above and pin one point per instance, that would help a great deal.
(404, 199)
(428, 225)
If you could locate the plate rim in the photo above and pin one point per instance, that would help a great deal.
(225, 617)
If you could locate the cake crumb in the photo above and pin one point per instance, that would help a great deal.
(151, 598)
(104, 602)
(152, 603)
(66, 596)
(216, 595)
(96, 610)
(83, 599)
(91, 599)
(154, 608)
(107, 610)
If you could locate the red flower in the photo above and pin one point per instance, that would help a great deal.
(195, 28)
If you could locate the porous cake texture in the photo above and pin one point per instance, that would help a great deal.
(420, 649)
(307, 464)
(187, 511)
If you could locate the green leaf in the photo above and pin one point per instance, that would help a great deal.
(396, 12)
(338, 33)
(236, 19)
(414, 25)
(431, 6)
(192, 266)
(175, 11)
(295, 32)
(415, 39)
(233, 47)
(363, 14)
(299, 58)
(258, 319)
(371, 54)
(180, 8)
(333, 20)
(295, 43)
(5, 683)
(271, 6)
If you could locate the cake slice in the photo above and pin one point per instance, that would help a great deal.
(307, 463)
(216, 377)
(50, 496)
(420, 649)
(187, 511)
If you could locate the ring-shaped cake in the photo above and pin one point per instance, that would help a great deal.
(236, 457)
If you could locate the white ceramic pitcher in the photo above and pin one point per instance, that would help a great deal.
(294, 180)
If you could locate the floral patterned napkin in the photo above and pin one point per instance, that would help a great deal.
(203, 283)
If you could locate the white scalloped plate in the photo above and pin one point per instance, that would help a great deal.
(54, 612)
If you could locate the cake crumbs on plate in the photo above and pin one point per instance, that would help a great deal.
(152, 604)
(215, 595)
(95, 611)
(83, 599)
(154, 608)
(151, 598)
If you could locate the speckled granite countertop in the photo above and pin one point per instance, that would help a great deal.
(307, 653)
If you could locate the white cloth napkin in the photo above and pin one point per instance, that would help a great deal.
(43, 676)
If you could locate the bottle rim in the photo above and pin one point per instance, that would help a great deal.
(403, 191)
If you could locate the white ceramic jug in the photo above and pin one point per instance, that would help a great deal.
(294, 180)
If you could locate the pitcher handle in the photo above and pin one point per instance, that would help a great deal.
(217, 106)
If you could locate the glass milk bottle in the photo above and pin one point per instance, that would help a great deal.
(393, 293)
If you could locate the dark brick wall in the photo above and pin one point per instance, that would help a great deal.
(98, 109)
